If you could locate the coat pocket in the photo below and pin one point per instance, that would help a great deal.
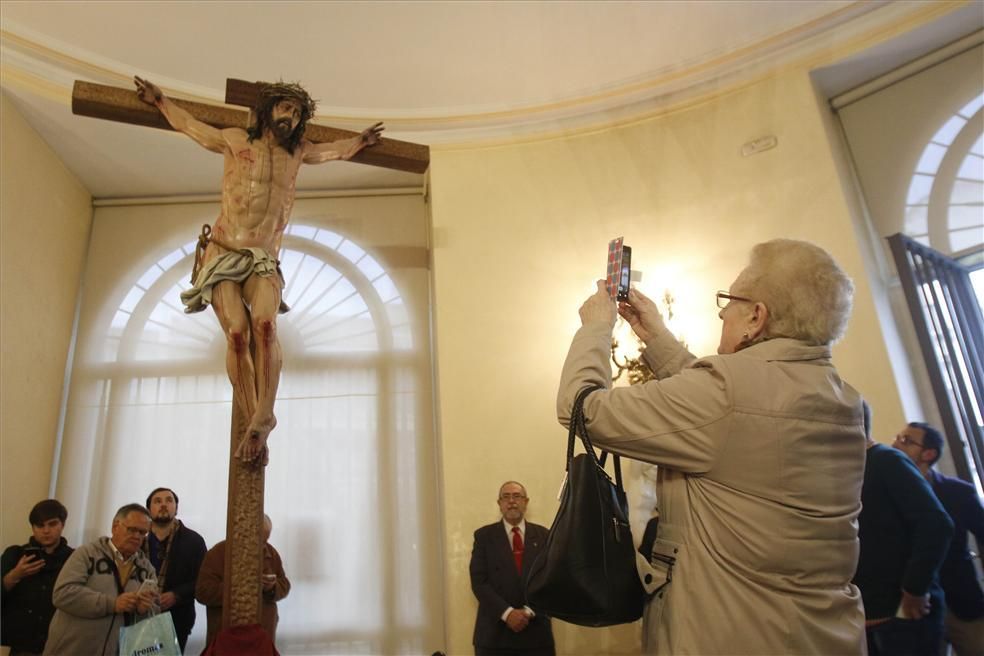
(656, 572)
(656, 575)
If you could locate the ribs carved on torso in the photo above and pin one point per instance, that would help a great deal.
(257, 195)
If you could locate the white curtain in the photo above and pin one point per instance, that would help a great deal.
(351, 486)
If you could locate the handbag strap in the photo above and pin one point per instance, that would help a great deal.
(617, 462)
(579, 428)
(618, 466)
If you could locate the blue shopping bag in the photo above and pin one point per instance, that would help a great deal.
(153, 636)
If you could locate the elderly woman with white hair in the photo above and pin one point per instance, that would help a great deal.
(761, 457)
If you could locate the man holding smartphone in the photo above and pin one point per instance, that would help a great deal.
(103, 588)
(29, 574)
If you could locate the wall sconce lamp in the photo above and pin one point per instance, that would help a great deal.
(636, 368)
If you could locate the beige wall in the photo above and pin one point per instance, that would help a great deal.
(520, 232)
(45, 215)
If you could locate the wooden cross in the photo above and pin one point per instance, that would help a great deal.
(117, 104)
(242, 590)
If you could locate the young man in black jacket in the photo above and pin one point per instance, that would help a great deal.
(176, 552)
(29, 574)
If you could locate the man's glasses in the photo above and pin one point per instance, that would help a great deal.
(134, 530)
(512, 497)
(723, 298)
(905, 439)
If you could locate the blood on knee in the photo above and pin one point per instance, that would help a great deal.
(238, 340)
(266, 329)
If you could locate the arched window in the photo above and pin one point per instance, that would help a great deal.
(945, 200)
(342, 300)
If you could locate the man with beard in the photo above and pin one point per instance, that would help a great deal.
(237, 270)
(500, 562)
(176, 552)
(29, 575)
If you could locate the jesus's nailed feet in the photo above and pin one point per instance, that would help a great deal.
(253, 449)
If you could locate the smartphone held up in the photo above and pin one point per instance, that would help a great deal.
(619, 273)
(31, 550)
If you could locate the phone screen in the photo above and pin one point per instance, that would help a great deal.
(626, 275)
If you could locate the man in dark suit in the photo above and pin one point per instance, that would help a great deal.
(500, 563)
(964, 596)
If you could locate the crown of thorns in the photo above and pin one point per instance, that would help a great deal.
(291, 91)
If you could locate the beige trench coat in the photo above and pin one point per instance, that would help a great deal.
(761, 459)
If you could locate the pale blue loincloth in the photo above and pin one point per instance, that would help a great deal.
(236, 266)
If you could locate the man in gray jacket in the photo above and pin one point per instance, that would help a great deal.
(99, 588)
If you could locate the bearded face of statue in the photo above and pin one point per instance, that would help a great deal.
(285, 116)
(283, 110)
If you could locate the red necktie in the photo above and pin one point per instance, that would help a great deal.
(518, 548)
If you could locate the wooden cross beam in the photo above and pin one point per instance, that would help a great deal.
(116, 104)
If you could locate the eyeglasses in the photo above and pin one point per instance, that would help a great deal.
(512, 497)
(905, 439)
(723, 298)
(134, 530)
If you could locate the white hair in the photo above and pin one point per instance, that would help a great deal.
(808, 295)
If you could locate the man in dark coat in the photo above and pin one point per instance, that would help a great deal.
(964, 597)
(176, 552)
(904, 534)
(500, 563)
(29, 573)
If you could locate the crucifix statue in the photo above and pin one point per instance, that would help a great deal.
(236, 269)
(237, 273)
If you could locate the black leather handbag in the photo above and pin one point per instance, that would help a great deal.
(586, 572)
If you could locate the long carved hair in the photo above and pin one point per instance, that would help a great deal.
(270, 95)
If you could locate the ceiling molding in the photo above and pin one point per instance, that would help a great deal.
(39, 85)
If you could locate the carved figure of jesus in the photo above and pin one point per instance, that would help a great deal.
(239, 274)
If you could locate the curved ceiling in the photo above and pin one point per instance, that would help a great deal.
(436, 72)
